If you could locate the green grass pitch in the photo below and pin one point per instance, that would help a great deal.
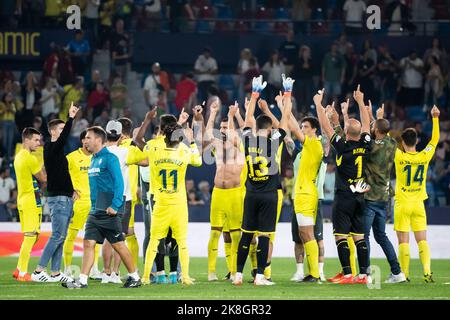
(282, 269)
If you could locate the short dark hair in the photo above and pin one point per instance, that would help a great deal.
(99, 132)
(263, 122)
(313, 121)
(166, 120)
(83, 135)
(168, 131)
(28, 132)
(127, 126)
(383, 126)
(224, 119)
(409, 137)
(53, 123)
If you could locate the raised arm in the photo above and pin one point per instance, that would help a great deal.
(60, 143)
(139, 139)
(262, 104)
(344, 109)
(213, 110)
(240, 120)
(435, 132)
(233, 136)
(323, 120)
(358, 95)
(286, 111)
(196, 157)
(257, 87)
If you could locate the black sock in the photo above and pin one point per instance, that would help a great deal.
(363, 256)
(262, 253)
(159, 260)
(173, 263)
(244, 246)
(344, 255)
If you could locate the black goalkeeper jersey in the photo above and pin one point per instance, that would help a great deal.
(263, 158)
(350, 160)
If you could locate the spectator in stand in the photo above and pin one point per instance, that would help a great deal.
(52, 13)
(156, 82)
(333, 73)
(342, 43)
(206, 69)
(50, 97)
(120, 57)
(91, 14)
(366, 74)
(72, 93)
(412, 80)
(243, 67)
(193, 201)
(301, 12)
(190, 186)
(118, 35)
(106, 13)
(123, 11)
(288, 186)
(103, 119)
(351, 69)
(204, 193)
(98, 100)
(388, 75)
(439, 52)
(328, 187)
(272, 70)
(399, 14)
(119, 96)
(80, 124)
(354, 11)
(151, 16)
(80, 51)
(367, 46)
(7, 115)
(30, 92)
(303, 74)
(175, 12)
(95, 78)
(186, 93)
(434, 81)
(289, 51)
(253, 71)
(65, 73)
(7, 186)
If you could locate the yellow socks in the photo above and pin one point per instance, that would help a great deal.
(228, 258)
(252, 253)
(312, 254)
(25, 252)
(403, 257)
(184, 259)
(133, 246)
(235, 238)
(352, 247)
(68, 248)
(213, 246)
(150, 255)
(268, 271)
(425, 258)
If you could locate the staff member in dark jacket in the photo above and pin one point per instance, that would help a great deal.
(105, 219)
(60, 196)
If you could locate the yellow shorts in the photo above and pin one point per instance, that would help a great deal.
(81, 209)
(306, 204)
(227, 208)
(169, 216)
(410, 216)
(30, 219)
(133, 206)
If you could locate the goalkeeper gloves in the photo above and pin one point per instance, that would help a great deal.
(258, 86)
(360, 187)
(288, 84)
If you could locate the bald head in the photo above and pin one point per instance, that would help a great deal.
(353, 129)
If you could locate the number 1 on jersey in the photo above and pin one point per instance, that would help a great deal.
(359, 163)
(173, 174)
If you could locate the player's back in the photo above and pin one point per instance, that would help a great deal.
(168, 172)
(310, 161)
(411, 174)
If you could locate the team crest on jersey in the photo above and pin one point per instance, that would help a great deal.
(428, 149)
(367, 138)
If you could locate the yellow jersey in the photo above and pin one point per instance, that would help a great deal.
(308, 170)
(411, 170)
(29, 193)
(168, 171)
(79, 164)
(134, 155)
(156, 142)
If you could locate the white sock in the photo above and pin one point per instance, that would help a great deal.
(238, 275)
(321, 267)
(83, 279)
(259, 276)
(173, 273)
(300, 268)
(134, 275)
(160, 273)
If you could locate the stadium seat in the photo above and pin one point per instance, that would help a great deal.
(199, 3)
(281, 27)
(217, 3)
(222, 26)
(226, 82)
(224, 12)
(203, 27)
(415, 113)
(206, 12)
(241, 26)
(281, 14)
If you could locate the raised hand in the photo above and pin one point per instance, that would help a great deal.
(435, 112)
(188, 133)
(279, 99)
(73, 110)
(318, 97)
(258, 85)
(344, 106)
(184, 116)
(198, 116)
(214, 107)
(246, 102)
(358, 95)
(288, 83)
(332, 114)
(233, 109)
(380, 111)
(150, 115)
